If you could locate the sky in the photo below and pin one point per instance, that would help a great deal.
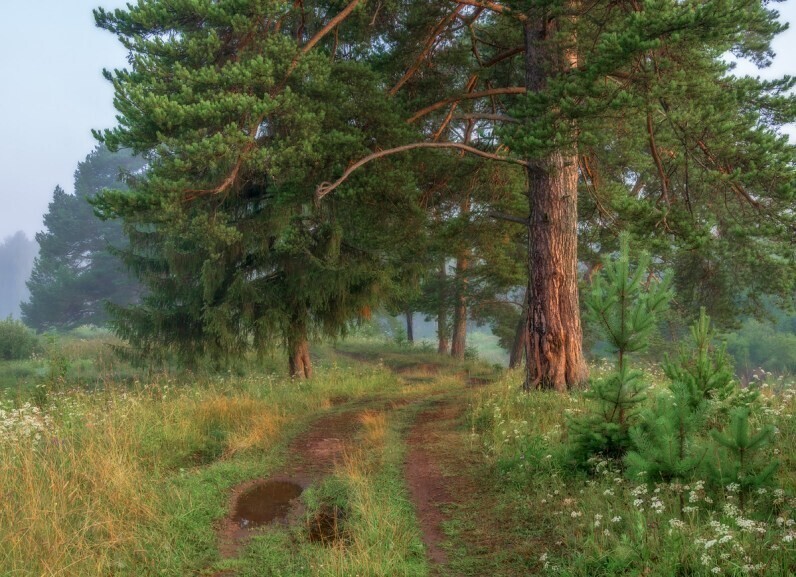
(52, 94)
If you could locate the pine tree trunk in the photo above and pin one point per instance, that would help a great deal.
(300, 363)
(442, 312)
(459, 333)
(554, 356)
(410, 326)
(518, 347)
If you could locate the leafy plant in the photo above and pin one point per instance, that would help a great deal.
(17, 342)
(704, 372)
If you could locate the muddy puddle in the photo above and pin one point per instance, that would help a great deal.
(326, 526)
(264, 503)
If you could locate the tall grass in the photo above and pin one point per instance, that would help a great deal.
(101, 482)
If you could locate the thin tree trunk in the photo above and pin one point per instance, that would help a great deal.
(442, 312)
(299, 357)
(518, 347)
(410, 326)
(459, 333)
(459, 336)
(554, 340)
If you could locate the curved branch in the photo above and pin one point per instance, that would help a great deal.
(469, 96)
(495, 7)
(503, 56)
(229, 181)
(325, 188)
(429, 45)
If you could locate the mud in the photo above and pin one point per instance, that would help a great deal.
(265, 503)
(327, 525)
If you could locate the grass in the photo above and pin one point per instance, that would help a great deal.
(605, 523)
(108, 476)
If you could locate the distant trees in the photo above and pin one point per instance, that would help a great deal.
(76, 272)
(17, 254)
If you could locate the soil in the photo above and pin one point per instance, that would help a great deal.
(431, 490)
(314, 454)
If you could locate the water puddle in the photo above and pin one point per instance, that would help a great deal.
(266, 502)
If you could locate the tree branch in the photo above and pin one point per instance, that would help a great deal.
(325, 188)
(486, 116)
(503, 56)
(233, 175)
(508, 217)
(494, 7)
(426, 49)
(469, 96)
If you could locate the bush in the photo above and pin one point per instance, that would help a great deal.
(17, 341)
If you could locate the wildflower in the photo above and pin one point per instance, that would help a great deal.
(616, 519)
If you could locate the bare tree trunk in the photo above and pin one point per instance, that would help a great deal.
(442, 312)
(299, 357)
(518, 347)
(410, 326)
(554, 340)
(459, 332)
(459, 336)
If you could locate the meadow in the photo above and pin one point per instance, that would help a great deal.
(110, 470)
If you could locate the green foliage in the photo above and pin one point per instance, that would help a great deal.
(757, 344)
(224, 230)
(17, 341)
(666, 445)
(740, 465)
(703, 371)
(624, 302)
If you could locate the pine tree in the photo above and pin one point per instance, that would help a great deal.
(17, 255)
(624, 302)
(704, 371)
(738, 467)
(76, 273)
(635, 104)
(241, 111)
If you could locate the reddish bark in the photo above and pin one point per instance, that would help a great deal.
(554, 334)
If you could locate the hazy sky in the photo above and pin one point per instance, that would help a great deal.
(52, 94)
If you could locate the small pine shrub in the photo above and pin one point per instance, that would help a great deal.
(17, 342)
(739, 466)
(703, 371)
(625, 303)
(667, 446)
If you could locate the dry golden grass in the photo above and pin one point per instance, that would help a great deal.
(73, 505)
(374, 427)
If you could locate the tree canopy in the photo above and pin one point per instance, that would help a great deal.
(293, 147)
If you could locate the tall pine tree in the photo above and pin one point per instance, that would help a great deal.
(241, 108)
(77, 273)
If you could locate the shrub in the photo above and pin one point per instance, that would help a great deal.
(17, 341)
(624, 304)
